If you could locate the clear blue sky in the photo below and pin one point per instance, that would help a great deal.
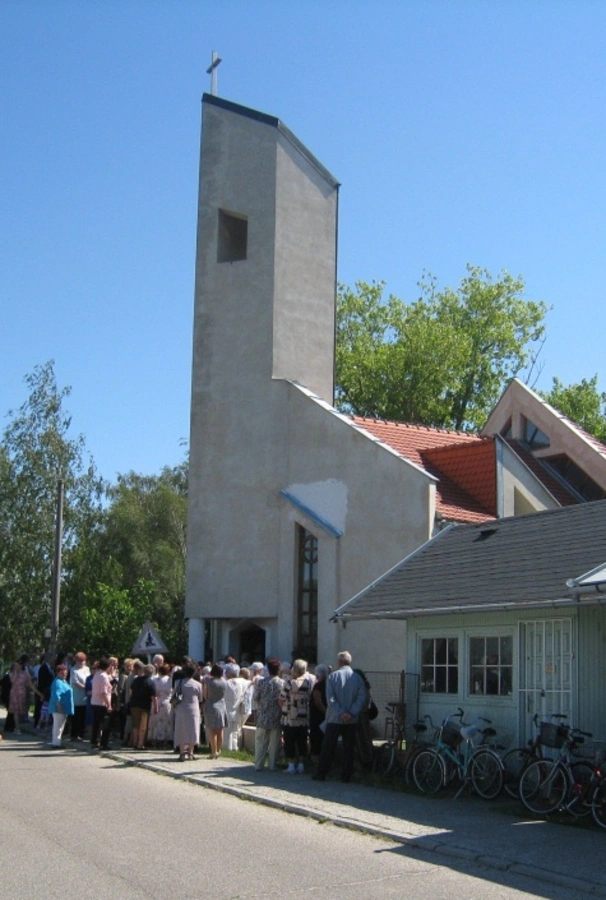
(462, 131)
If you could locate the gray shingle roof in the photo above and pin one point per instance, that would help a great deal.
(517, 561)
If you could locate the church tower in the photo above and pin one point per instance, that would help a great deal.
(264, 316)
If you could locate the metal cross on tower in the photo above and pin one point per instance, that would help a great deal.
(212, 71)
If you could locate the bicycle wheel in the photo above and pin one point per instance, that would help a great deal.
(515, 762)
(486, 774)
(543, 787)
(407, 765)
(428, 772)
(384, 760)
(598, 804)
(400, 765)
(579, 802)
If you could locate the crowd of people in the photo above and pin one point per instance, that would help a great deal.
(297, 713)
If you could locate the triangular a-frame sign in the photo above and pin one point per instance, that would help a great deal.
(149, 641)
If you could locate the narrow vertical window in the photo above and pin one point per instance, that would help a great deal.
(232, 237)
(307, 595)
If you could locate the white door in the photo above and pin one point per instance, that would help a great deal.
(545, 672)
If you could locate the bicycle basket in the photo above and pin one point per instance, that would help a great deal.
(553, 736)
(451, 734)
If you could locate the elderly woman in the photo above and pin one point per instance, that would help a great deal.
(60, 705)
(215, 712)
(187, 699)
(235, 705)
(294, 701)
(161, 722)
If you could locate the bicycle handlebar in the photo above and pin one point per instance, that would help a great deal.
(459, 714)
(576, 732)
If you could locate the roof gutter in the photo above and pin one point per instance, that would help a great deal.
(473, 607)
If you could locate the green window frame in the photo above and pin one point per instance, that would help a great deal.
(440, 665)
(491, 665)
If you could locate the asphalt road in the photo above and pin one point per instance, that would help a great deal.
(74, 824)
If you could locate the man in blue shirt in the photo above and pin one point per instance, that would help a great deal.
(345, 699)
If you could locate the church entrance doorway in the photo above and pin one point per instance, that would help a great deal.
(250, 644)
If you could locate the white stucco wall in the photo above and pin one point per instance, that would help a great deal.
(260, 324)
(383, 505)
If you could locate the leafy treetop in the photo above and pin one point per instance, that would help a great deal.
(442, 360)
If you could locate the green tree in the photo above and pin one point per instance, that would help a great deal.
(111, 618)
(583, 403)
(441, 360)
(142, 542)
(36, 451)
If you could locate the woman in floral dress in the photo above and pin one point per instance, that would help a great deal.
(21, 684)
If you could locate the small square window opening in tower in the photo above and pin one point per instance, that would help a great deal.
(232, 238)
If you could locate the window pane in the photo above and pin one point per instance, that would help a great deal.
(492, 680)
(441, 680)
(427, 652)
(477, 681)
(427, 683)
(506, 681)
(453, 651)
(476, 651)
(492, 648)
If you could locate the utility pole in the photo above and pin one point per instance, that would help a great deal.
(212, 71)
(56, 589)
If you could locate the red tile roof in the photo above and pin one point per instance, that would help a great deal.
(473, 467)
(466, 488)
(411, 440)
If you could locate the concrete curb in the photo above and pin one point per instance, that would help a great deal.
(424, 844)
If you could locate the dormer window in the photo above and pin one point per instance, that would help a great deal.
(534, 437)
(576, 477)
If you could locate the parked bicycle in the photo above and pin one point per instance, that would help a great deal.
(394, 758)
(461, 752)
(516, 761)
(549, 785)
